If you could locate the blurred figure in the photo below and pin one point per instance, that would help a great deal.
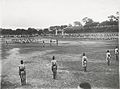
(50, 42)
(57, 42)
(54, 67)
(108, 57)
(84, 62)
(43, 43)
(117, 53)
(84, 85)
(22, 73)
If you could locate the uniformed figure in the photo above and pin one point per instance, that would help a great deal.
(84, 62)
(43, 43)
(54, 67)
(117, 53)
(22, 73)
(50, 42)
(108, 57)
(57, 42)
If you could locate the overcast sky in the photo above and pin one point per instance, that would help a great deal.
(46, 13)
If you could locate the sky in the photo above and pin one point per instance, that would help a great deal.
(46, 13)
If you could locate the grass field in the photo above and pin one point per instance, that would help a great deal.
(68, 55)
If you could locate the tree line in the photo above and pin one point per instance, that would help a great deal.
(110, 25)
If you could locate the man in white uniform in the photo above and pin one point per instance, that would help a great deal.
(84, 62)
(117, 53)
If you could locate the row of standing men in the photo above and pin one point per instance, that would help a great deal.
(22, 71)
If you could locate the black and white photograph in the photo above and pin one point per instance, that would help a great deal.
(59, 44)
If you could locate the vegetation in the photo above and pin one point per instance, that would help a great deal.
(110, 25)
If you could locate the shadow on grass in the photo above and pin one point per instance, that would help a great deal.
(7, 84)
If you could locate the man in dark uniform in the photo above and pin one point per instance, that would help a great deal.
(50, 42)
(54, 67)
(108, 57)
(43, 43)
(57, 42)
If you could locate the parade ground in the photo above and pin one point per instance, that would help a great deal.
(70, 74)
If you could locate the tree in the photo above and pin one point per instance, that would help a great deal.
(6, 31)
(54, 27)
(95, 24)
(46, 31)
(117, 16)
(87, 20)
(77, 23)
(40, 32)
(20, 32)
(63, 26)
(69, 25)
(32, 31)
(57, 27)
(114, 18)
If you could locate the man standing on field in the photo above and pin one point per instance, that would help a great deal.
(57, 42)
(108, 56)
(43, 43)
(22, 73)
(50, 42)
(84, 62)
(117, 53)
(54, 67)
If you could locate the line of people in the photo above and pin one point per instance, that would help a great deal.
(22, 71)
(108, 58)
(24, 41)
